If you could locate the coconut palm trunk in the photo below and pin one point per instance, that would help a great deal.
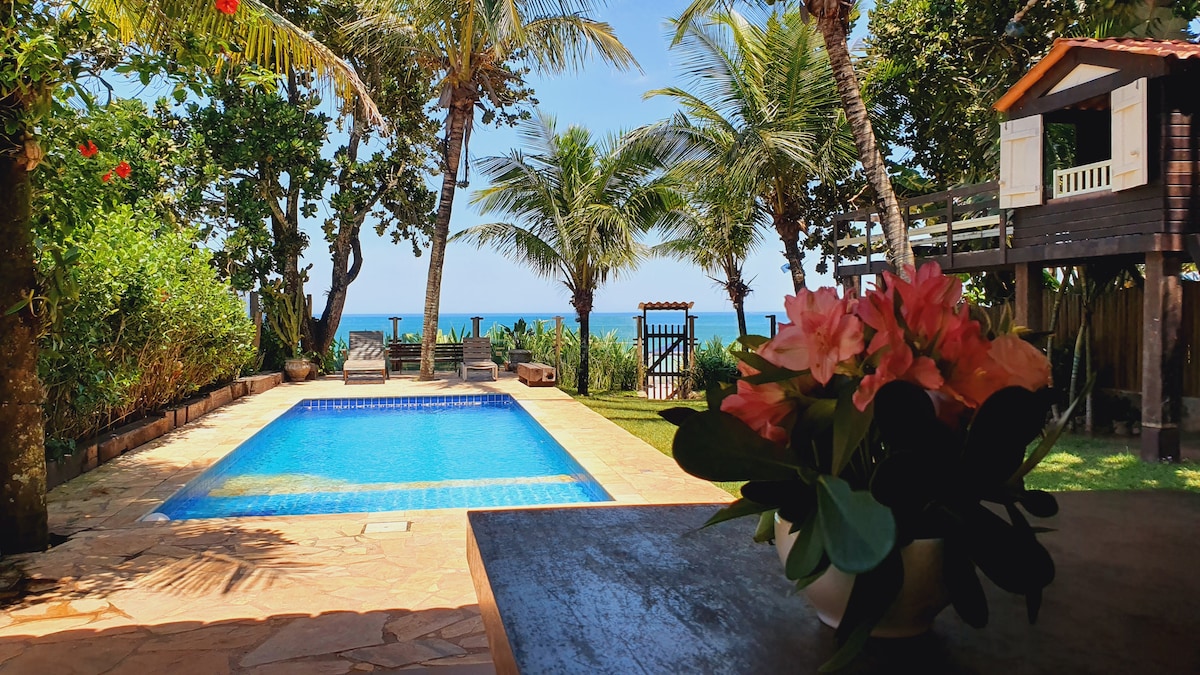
(583, 308)
(738, 289)
(23, 525)
(832, 19)
(789, 234)
(462, 107)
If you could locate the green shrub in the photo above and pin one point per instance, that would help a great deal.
(152, 325)
(612, 363)
(714, 365)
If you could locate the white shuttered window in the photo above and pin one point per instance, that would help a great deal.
(1129, 144)
(1021, 162)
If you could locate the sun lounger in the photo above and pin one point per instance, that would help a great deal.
(366, 355)
(477, 355)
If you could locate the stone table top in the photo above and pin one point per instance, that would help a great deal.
(639, 589)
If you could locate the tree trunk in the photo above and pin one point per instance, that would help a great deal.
(462, 106)
(789, 234)
(344, 273)
(738, 290)
(346, 244)
(583, 311)
(23, 523)
(832, 19)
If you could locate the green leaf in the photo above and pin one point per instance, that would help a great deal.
(1050, 437)
(859, 532)
(717, 393)
(850, 427)
(738, 509)
(752, 341)
(962, 583)
(766, 527)
(18, 306)
(717, 446)
(870, 598)
(806, 553)
(677, 416)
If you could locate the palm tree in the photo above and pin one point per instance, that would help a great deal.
(762, 111)
(35, 69)
(474, 48)
(833, 20)
(581, 207)
(718, 233)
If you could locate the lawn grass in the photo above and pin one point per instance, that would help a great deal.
(639, 417)
(1076, 463)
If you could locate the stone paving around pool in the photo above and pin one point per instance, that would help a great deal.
(287, 595)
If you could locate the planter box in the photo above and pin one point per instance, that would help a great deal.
(64, 469)
(219, 397)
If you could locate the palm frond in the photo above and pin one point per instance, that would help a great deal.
(256, 34)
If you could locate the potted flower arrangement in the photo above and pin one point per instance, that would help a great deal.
(518, 336)
(872, 431)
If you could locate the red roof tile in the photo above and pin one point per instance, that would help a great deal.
(1161, 48)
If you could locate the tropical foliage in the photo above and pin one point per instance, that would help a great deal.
(581, 207)
(478, 52)
(760, 117)
(151, 325)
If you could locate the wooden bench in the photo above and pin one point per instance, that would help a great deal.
(400, 353)
(536, 375)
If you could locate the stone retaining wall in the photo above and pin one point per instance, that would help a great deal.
(92, 453)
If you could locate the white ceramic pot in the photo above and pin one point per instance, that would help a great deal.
(922, 597)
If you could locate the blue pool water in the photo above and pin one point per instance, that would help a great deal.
(388, 454)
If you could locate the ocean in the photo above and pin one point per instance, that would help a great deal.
(708, 324)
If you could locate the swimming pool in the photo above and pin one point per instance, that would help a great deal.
(351, 455)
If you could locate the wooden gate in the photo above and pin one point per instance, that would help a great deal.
(667, 349)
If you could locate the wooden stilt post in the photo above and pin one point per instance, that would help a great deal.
(475, 325)
(640, 384)
(685, 386)
(1162, 357)
(1028, 310)
(395, 328)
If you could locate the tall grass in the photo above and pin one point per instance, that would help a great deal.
(714, 364)
(612, 365)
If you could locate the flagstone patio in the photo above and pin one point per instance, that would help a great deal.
(329, 594)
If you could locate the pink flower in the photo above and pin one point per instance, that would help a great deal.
(123, 170)
(226, 6)
(824, 332)
(896, 362)
(763, 407)
(88, 150)
(1022, 364)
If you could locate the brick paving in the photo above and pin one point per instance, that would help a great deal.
(294, 595)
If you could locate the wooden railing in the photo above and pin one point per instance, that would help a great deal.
(962, 221)
(1079, 180)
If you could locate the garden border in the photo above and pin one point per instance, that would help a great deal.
(92, 453)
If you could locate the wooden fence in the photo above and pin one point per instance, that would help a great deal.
(1117, 336)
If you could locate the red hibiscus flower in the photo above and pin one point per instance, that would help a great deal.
(88, 150)
(106, 177)
(226, 6)
(123, 169)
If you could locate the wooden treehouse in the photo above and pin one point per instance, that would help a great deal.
(1133, 195)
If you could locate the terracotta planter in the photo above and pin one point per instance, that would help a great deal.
(297, 369)
(921, 599)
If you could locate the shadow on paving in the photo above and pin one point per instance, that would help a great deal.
(449, 640)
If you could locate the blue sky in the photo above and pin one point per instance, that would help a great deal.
(393, 280)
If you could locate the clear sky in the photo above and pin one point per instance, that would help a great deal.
(393, 280)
